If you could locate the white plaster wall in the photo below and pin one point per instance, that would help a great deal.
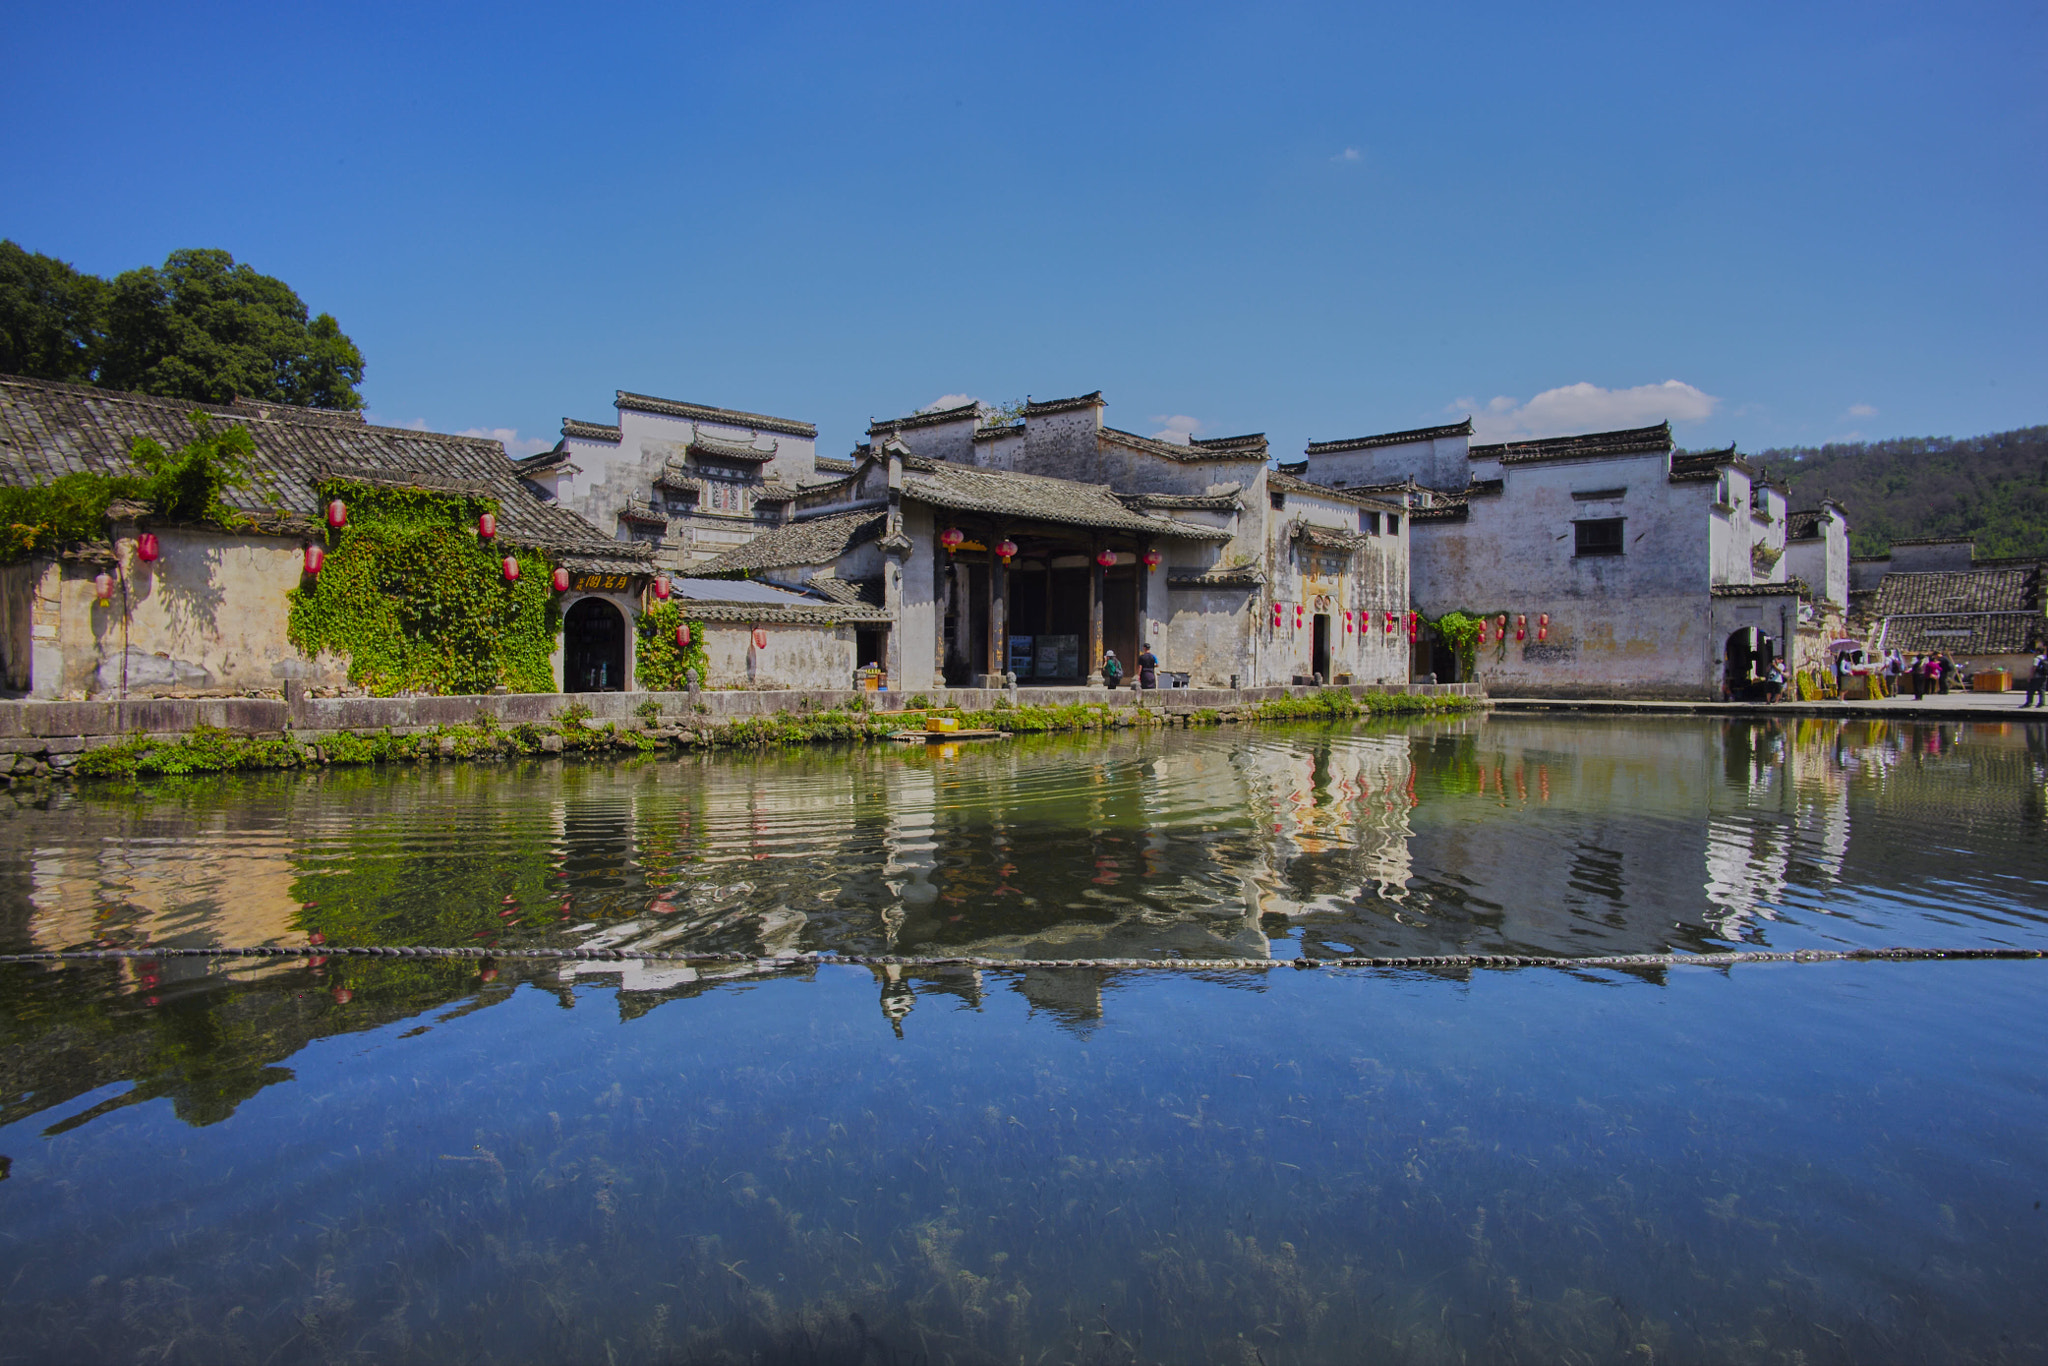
(1206, 633)
(1062, 445)
(1631, 624)
(206, 619)
(1439, 463)
(914, 638)
(797, 656)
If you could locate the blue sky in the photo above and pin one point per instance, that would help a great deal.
(1775, 223)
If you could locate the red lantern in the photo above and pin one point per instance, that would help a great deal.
(1298, 610)
(337, 514)
(486, 526)
(315, 558)
(760, 639)
(1152, 559)
(1521, 627)
(1482, 630)
(1005, 549)
(1105, 558)
(103, 586)
(1390, 623)
(1347, 623)
(561, 580)
(1414, 627)
(661, 587)
(682, 637)
(1543, 626)
(951, 538)
(1501, 624)
(146, 548)
(511, 569)
(1278, 608)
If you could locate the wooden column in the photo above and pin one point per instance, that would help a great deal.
(998, 610)
(1144, 592)
(1093, 666)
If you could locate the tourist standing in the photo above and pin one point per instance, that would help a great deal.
(1948, 670)
(1918, 668)
(2037, 682)
(1112, 671)
(1774, 681)
(1894, 665)
(1148, 668)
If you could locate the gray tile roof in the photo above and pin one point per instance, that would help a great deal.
(819, 540)
(1193, 453)
(838, 469)
(1288, 483)
(1033, 497)
(48, 429)
(1236, 576)
(1704, 466)
(2014, 589)
(937, 418)
(853, 592)
(1978, 633)
(1790, 588)
(589, 431)
(1064, 405)
(725, 417)
(1251, 445)
(731, 450)
(752, 601)
(1359, 443)
(1592, 445)
(1183, 502)
(1804, 525)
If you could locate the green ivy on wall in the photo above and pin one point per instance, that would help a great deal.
(418, 602)
(657, 664)
(1460, 634)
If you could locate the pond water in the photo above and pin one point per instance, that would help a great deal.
(234, 1160)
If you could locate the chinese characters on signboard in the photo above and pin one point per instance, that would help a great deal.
(582, 582)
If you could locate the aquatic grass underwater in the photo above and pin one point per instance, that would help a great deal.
(1752, 1166)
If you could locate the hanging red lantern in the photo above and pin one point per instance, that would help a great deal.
(760, 639)
(1347, 623)
(103, 587)
(1152, 559)
(337, 514)
(661, 587)
(1105, 557)
(951, 538)
(1390, 623)
(1414, 627)
(1501, 624)
(1521, 627)
(683, 637)
(1482, 630)
(561, 580)
(146, 548)
(1543, 626)
(486, 526)
(1298, 610)
(511, 569)
(1278, 608)
(315, 558)
(1006, 549)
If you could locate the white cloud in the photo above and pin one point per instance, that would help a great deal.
(948, 401)
(1177, 427)
(1585, 407)
(516, 446)
(1860, 410)
(1348, 154)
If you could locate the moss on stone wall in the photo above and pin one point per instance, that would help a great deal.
(418, 602)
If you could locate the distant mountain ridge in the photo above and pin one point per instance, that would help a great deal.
(1994, 488)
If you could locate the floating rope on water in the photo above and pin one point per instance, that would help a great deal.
(783, 961)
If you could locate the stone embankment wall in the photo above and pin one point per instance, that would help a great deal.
(43, 738)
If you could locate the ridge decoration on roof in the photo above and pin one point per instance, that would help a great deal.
(935, 418)
(1227, 501)
(1251, 444)
(724, 417)
(1065, 405)
(1289, 483)
(1360, 443)
(1591, 445)
(731, 450)
(577, 430)
(1193, 453)
(1033, 497)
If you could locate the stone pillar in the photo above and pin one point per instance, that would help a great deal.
(998, 613)
(1143, 590)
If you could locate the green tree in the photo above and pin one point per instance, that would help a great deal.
(202, 327)
(49, 316)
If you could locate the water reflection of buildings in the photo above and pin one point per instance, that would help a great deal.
(1504, 833)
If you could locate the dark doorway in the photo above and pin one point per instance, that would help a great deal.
(1120, 616)
(1748, 658)
(1319, 650)
(594, 648)
(869, 647)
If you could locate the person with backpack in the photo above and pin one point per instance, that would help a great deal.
(2037, 681)
(1112, 671)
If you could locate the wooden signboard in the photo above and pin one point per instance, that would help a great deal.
(581, 581)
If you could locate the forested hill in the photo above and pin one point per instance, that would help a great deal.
(1995, 487)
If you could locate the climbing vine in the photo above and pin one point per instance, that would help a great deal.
(1460, 634)
(418, 602)
(657, 664)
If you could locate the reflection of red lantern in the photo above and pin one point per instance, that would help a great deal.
(315, 558)
(337, 514)
(1543, 626)
(951, 538)
(1105, 558)
(1521, 627)
(1005, 549)
(511, 570)
(661, 587)
(561, 580)
(760, 639)
(683, 637)
(486, 526)
(103, 587)
(146, 548)
(342, 996)
(1152, 559)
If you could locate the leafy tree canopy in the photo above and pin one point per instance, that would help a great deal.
(199, 327)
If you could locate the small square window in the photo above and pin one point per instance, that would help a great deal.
(1601, 537)
(1393, 524)
(1369, 523)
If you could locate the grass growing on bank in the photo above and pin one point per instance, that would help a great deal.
(212, 750)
